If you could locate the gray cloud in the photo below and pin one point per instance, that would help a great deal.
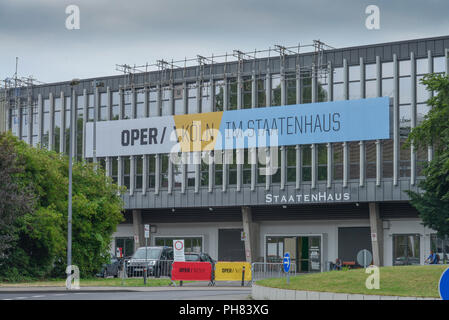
(138, 31)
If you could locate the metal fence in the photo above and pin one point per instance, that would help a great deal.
(146, 268)
(264, 270)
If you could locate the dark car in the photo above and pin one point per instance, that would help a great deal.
(111, 269)
(156, 260)
(199, 256)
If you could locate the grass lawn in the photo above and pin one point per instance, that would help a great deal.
(412, 281)
(94, 282)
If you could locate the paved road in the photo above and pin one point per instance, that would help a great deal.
(194, 294)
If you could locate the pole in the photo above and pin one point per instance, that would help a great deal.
(96, 110)
(243, 276)
(69, 219)
(146, 262)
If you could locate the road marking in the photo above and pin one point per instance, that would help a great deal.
(21, 297)
(6, 299)
(38, 296)
(60, 294)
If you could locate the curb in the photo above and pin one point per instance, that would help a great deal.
(268, 293)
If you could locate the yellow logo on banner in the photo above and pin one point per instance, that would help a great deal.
(198, 132)
(232, 271)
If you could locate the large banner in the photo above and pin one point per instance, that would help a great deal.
(338, 121)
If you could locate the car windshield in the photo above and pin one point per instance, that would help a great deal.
(150, 253)
(192, 257)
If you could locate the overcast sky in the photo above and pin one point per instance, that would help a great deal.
(139, 31)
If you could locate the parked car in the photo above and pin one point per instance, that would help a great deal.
(111, 269)
(156, 260)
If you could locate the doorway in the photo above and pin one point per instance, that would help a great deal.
(406, 249)
(305, 251)
(231, 245)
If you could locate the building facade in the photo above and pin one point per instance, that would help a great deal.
(326, 201)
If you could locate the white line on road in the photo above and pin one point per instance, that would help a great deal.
(38, 296)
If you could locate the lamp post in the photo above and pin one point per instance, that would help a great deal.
(73, 83)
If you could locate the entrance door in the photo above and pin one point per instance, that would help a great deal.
(231, 247)
(406, 249)
(351, 240)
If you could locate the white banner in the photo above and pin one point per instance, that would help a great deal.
(131, 137)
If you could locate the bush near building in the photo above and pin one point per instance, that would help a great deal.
(33, 213)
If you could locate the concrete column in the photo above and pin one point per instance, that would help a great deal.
(251, 230)
(138, 229)
(376, 226)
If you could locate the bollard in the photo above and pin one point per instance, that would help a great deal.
(243, 276)
(144, 276)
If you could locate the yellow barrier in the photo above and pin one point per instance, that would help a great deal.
(232, 271)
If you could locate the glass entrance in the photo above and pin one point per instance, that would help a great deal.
(305, 251)
(406, 249)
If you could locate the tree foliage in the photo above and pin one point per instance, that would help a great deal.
(433, 203)
(40, 248)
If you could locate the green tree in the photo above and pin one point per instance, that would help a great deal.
(433, 202)
(40, 248)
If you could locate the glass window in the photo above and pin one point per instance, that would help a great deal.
(306, 88)
(337, 154)
(261, 92)
(115, 105)
(166, 107)
(205, 97)
(138, 183)
(190, 172)
(191, 98)
(126, 171)
(404, 68)
(114, 170)
(371, 88)
(339, 92)
(371, 71)
(79, 127)
(164, 158)
(152, 100)
(441, 247)
(67, 125)
(14, 122)
(370, 157)
(191, 244)
(405, 93)
(127, 112)
(306, 163)
(232, 91)
(387, 70)
(422, 94)
(291, 89)
(338, 75)
(322, 162)
(354, 73)
(291, 163)
(406, 249)
(439, 64)
(204, 174)
(57, 130)
(232, 168)
(103, 107)
(387, 87)
(219, 93)
(218, 179)
(261, 164)
(276, 90)
(387, 158)
(247, 93)
(354, 90)
(151, 171)
(422, 66)
(354, 160)
(422, 110)
(140, 103)
(25, 122)
(247, 167)
(276, 165)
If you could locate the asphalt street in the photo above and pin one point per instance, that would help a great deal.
(193, 294)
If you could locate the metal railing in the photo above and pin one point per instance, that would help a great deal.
(264, 270)
(142, 268)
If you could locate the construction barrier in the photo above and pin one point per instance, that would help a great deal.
(194, 271)
(232, 271)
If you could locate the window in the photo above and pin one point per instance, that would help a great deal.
(179, 101)
(405, 87)
(370, 156)
(261, 164)
(57, 125)
(36, 124)
(354, 73)
(387, 87)
(127, 245)
(115, 105)
(126, 171)
(127, 112)
(204, 173)
(261, 92)
(151, 171)
(177, 172)
(306, 163)
(404, 68)
(90, 107)
(276, 165)
(439, 64)
(387, 70)
(354, 160)
(192, 104)
(140, 103)
(371, 71)
(441, 247)
(354, 90)
(247, 93)
(46, 124)
(232, 166)
(103, 112)
(25, 119)
(322, 162)
(306, 87)
(114, 170)
(219, 93)
(422, 66)
(166, 107)
(387, 158)
(291, 163)
(247, 167)
(79, 127)
(232, 92)
(191, 244)
(406, 249)
(371, 88)
(218, 168)
(164, 158)
(153, 103)
(67, 117)
(15, 121)
(291, 88)
(276, 90)
(138, 183)
(205, 97)
(337, 153)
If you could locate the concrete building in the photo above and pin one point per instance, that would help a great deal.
(232, 211)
